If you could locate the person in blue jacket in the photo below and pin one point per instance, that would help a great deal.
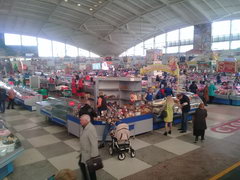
(149, 95)
(168, 91)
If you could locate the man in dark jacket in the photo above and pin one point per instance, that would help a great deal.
(185, 105)
(3, 97)
(87, 109)
(193, 87)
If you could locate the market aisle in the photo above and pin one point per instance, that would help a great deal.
(48, 148)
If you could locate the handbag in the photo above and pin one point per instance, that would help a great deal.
(94, 164)
(164, 114)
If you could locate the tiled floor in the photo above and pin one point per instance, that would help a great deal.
(49, 148)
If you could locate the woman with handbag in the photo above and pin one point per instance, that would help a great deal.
(168, 119)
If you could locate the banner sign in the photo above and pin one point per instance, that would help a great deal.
(228, 67)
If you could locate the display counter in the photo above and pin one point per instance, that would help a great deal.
(24, 96)
(10, 149)
(235, 100)
(56, 109)
(221, 99)
(137, 125)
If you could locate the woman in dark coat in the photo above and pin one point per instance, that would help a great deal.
(199, 122)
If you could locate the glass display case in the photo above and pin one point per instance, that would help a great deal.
(158, 105)
(24, 96)
(10, 148)
(58, 108)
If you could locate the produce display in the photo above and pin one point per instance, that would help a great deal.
(8, 142)
(116, 112)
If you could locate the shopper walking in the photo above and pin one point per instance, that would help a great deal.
(88, 146)
(3, 97)
(205, 95)
(169, 118)
(11, 96)
(185, 106)
(101, 104)
(211, 92)
(199, 122)
(109, 126)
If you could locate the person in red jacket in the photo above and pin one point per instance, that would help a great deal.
(74, 88)
(80, 87)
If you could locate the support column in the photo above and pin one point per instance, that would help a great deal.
(202, 37)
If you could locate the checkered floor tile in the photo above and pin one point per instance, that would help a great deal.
(49, 148)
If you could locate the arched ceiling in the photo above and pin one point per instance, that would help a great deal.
(112, 26)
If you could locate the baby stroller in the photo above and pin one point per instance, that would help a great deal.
(120, 142)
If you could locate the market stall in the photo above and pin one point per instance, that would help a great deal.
(158, 106)
(56, 109)
(10, 149)
(25, 97)
(137, 125)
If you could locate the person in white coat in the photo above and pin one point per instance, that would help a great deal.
(88, 145)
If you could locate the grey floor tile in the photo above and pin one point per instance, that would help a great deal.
(36, 171)
(20, 122)
(54, 150)
(63, 136)
(152, 137)
(45, 124)
(153, 155)
(10, 113)
(26, 144)
(104, 153)
(33, 132)
(190, 139)
(103, 175)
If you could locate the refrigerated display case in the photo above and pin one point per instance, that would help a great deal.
(56, 109)
(27, 97)
(10, 149)
(24, 96)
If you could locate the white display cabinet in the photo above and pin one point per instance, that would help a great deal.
(118, 88)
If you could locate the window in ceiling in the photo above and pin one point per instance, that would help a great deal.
(149, 44)
(123, 54)
(235, 44)
(58, 49)
(94, 55)
(130, 52)
(139, 49)
(220, 45)
(12, 39)
(221, 28)
(29, 41)
(44, 48)
(173, 36)
(236, 27)
(160, 41)
(83, 52)
(71, 51)
(184, 49)
(173, 49)
(187, 33)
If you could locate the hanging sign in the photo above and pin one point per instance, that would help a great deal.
(228, 67)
